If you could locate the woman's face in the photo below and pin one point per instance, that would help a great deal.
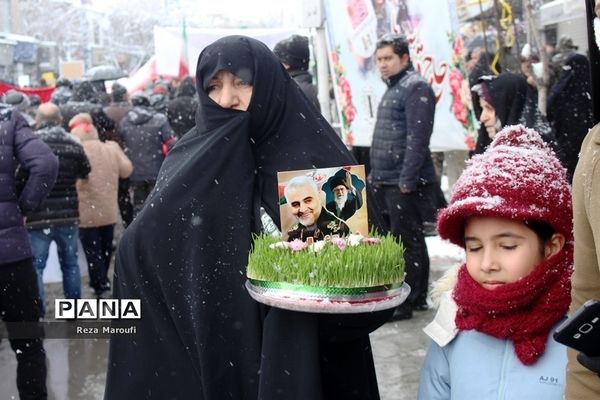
(229, 91)
(488, 117)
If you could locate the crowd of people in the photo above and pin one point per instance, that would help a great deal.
(190, 169)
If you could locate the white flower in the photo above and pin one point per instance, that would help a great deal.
(278, 245)
(317, 246)
(354, 239)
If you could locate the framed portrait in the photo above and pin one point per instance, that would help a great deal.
(323, 201)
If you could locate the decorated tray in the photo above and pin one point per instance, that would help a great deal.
(327, 300)
(351, 274)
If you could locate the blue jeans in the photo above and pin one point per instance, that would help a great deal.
(66, 238)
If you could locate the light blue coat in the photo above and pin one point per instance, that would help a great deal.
(478, 366)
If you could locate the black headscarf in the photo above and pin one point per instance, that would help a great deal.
(186, 87)
(570, 109)
(481, 68)
(508, 93)
(201, 335)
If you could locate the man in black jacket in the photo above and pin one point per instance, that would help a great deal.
(402, 172)
(294, 54)
(147, 136)
(181, 111)
(85, 99)
(57, 219)
(116, 111)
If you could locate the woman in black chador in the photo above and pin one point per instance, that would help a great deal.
(201, 336)
(570, 109)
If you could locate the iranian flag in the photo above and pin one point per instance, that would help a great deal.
(184, 65)
(172, 51)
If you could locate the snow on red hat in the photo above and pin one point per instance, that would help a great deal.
(519, 178)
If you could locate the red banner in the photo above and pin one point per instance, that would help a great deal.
(43, 92)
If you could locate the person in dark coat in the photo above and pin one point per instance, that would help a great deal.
(20, 102)
(62, 92)
(294, 54)
(181, 111)
(505, 96)
(86, 100)
(570, 109)
(478, 64)
(402, 170)
(159, 102)
(505, 100)
(19, 300)
(144, 132)
(119, 105)
(201, 334)
(583, 370)
(57, 219)
(116, 111)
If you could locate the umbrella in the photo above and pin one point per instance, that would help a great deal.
(103, 73)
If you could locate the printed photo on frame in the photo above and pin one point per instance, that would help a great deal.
(324, 201)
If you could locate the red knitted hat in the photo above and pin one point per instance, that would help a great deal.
(519, 178)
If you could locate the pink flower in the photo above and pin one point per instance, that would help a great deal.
(339, 243)
(345, 86)
(348, 99)
(350, 114)
(456, 80)
(465, 92)
(371, 240)
(470, 143)
(297, 245)
(458, 46)
(350, 138)
(459, 111)
(334, 57)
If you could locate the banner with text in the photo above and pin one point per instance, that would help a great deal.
(353, 27)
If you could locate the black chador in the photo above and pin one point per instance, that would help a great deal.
(201, 335)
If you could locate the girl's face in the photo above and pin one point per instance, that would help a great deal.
(501, 251)
(229, 91)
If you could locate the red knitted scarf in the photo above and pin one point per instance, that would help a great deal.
(524, 311)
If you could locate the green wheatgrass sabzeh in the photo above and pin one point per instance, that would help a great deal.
(364, 265)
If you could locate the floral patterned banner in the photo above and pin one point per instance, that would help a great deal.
(353, 27)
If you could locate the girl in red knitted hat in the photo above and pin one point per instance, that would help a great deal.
(491, 338)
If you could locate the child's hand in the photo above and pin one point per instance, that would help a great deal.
(591, 363)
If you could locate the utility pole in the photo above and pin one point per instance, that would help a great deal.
(483, 28)
(540, 44)
(313, 18)
(499, 57)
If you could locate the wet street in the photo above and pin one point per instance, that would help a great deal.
(77, 367)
